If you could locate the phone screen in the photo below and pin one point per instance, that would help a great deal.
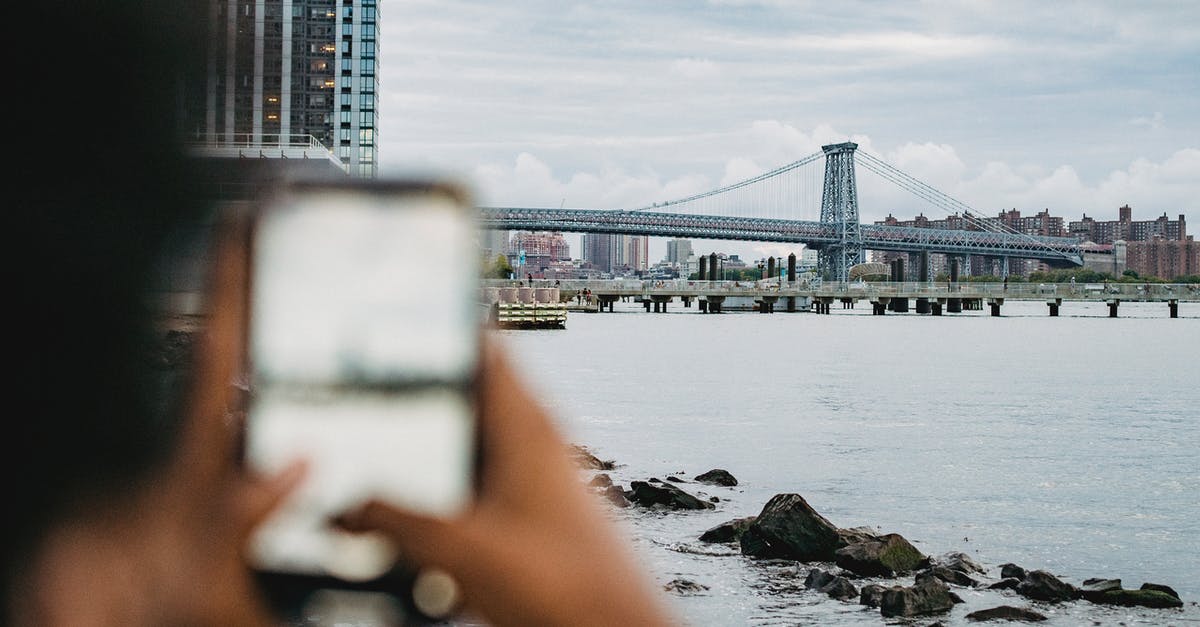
(363, 347)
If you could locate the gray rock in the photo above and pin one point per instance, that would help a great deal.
(684, 586)
(818, 578)
(928, 597)
(727, 531)
(1042, 586)
(871, 595)
(789, 528)
(1092, 589)
(854, 535)
(616, 496)
(1011, 570)
(601, 480)
(665, 494)
(888, 555)
(717, 476)
(1010, 583)
(840, 588)
(1142, 598)
(948, 575)
(586, 459)
(957, 561)
(1160, 588)
(1006, 612)
(835, 586)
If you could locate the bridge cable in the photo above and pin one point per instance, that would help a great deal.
(945, 202)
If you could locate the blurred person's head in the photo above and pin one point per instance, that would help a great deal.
(100, 183)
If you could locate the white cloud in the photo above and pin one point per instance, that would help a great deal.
(1154, 122)
(692, 68)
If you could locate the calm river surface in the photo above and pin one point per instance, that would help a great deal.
(1069, 444)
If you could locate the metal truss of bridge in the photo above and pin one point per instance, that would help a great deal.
(838, 236)
(1056, 251)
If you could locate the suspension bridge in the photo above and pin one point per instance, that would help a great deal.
(758, 209)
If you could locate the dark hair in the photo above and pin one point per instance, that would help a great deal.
(101, 185)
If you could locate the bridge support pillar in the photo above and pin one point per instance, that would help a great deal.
(879, 307)
(923, 306)
(1112, 308)
(1054, 305)
(703, 304)
(900, 305)
(936, 307)
(791, 304)
(1173, 306)
(954, 305)
(994, 305)
(847, 303)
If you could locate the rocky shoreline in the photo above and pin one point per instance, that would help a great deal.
(861, 565)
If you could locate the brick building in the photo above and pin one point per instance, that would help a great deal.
(1164, 258)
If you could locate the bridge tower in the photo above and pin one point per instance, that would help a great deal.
(839, 207)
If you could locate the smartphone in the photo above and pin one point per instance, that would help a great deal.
(362, 357)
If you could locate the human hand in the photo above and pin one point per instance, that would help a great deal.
(170, 550)
(535, 548)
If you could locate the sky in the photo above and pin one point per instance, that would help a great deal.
(1075, 107)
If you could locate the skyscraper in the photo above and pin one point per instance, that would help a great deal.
(286, 74)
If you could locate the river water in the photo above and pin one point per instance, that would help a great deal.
(1070, 444)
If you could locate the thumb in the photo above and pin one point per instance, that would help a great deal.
(422, 540)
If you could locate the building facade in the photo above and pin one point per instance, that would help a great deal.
(1164, 258)
(283, 74)
(1151, 247)
(1126, 228)
(679, 250)
(539, 250)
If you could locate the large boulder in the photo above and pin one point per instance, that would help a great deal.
(888, 555)
(647, 494)
(717, 476)
(1042, 586)
(727, 531)
(789, 528)
(928, 597)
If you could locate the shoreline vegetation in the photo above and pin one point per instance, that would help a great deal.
(859, 564)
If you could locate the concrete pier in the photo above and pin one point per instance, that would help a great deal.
(1054, 304)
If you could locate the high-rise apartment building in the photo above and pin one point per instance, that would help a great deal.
(679, 250)
(283, 75)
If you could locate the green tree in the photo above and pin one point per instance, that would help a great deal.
(498, 269)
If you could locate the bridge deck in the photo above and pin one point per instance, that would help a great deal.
(1152, 292)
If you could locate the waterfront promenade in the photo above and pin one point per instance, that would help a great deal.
(932, 298)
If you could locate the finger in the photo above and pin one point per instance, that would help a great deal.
(259, 498)
(422, 541)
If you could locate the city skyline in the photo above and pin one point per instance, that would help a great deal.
(1077, 108)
